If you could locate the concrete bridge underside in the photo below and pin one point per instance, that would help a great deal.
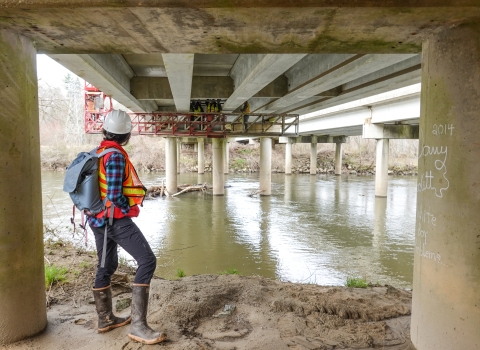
(281, 56)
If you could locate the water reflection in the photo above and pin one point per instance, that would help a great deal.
(317, 229)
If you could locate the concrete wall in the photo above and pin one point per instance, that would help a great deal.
(446, 286)
(22, 286)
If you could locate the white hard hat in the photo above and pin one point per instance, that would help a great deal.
(117, 122)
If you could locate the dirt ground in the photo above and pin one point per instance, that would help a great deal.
(223, 312)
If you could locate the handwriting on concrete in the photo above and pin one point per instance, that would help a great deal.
(435, 179)
(426, 222)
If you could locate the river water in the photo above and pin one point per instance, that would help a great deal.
(312, 229)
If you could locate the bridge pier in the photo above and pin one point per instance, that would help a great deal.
(265, 166)
(226, 156)
(313, 156)
(179, 149)
(383, 133)
(171, 163)
(446, 279)
(381, 168)
(201, 155)
(22, 284)
(338, 158)
(288, 157)
(218, 181)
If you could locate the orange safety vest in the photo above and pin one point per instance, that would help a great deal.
(132, 187)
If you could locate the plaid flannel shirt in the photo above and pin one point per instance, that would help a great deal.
(115, 169)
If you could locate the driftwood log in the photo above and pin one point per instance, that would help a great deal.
(160, 191)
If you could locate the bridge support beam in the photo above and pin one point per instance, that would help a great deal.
(201, 156)
(22, 284)
(338, 158)
(218, 167)
(265, 166)
(446, 279)
(179, 150)
(381, 168)
(171, 164)
(226, 157)
(313, 156)
(288, 157)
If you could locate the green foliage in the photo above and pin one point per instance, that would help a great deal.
(180, 273)
(239, 163)
(356, 282)
(54, 274)
(229, 271)
(246, 150)
(122, 261)
(85, 264)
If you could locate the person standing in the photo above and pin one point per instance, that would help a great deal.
(122, 192)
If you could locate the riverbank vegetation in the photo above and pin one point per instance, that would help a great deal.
(148, 154)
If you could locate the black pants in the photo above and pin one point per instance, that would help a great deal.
(127, 235)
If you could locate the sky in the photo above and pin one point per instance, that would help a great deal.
(51, 72)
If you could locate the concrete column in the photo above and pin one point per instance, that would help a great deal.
(288, 158)
(446, 279)
(171, 164)
(265, 166)
(201, 156)
(381, 168)
(22, 283)
(313, 156)
(338, 158)
(226, 156)
(217, 169)
(179, 149)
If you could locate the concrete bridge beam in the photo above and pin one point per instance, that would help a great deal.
(171, 164)
(252, 73)
(179, 68)
(22, 283)
(265, 166)
(396, 76)
(446, 279)
(389, 131)
(341, 70)
(109, 73)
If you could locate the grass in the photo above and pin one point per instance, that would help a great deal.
(180, 273)
(356, 282)
(229, 271)
(54, 274)
(85, 265)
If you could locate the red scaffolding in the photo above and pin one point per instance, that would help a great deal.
(210, 124)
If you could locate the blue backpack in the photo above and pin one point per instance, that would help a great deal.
(81, 181)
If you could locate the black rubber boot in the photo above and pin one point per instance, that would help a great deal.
(103, 303)
(139, 330)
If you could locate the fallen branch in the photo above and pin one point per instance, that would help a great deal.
(192, 188)
(255, 192)
(160, 191)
